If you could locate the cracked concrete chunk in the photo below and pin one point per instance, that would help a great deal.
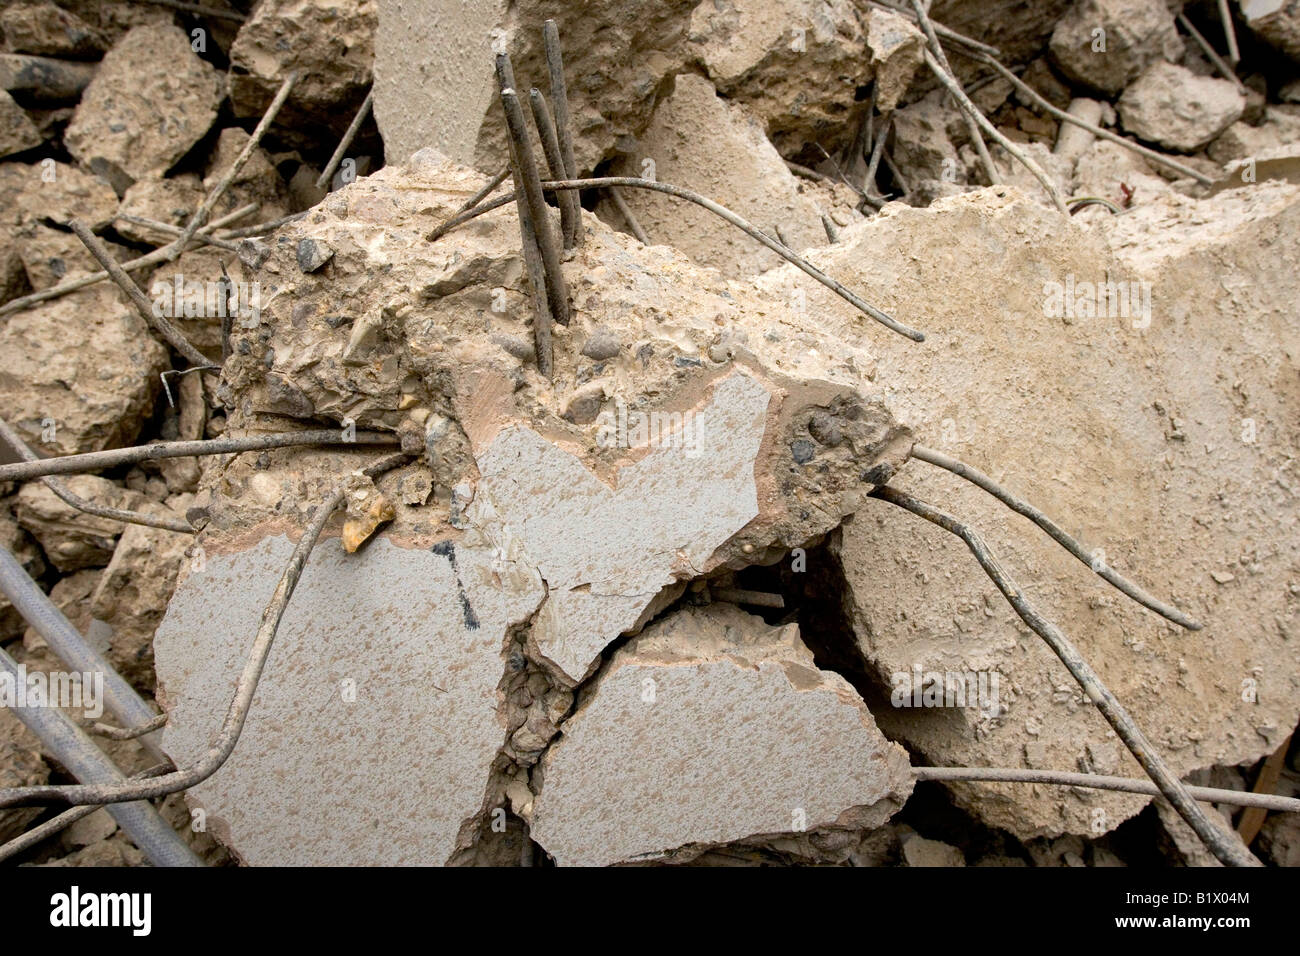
(1277, 22)
(55, 191)
(152, 99)
(331, 45)
(795, 64)
(17, 131)
(1105, 44)
(711, 727)
(436, 87)
(64, 401)
(388, 631)
(1177, 109)
(48, 30)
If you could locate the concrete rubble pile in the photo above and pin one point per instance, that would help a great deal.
(646, 609)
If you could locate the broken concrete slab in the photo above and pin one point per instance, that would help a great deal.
(717, 405)
(151, 100)
(365, 636)
(668, 512)
(701, 142)
(1139, 429)
(1106, 44)
(641, 770)
(1173, 107)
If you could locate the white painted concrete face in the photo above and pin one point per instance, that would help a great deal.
(605, 553)
(371, 735)
(434, 77)
(709, 728)
(1254, 9)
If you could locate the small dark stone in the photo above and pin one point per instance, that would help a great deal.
(313, 254)
(878, 474)
(802, 451)
(825, 429)
(683, 362)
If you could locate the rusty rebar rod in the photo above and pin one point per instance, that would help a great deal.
(744, 225)
(349, 135)
(1093, 781)
(112, 732)
(1229, 852)
(67, 818)
(972, 125)
(261, 228)
(114, 457)
(1066, 117)
(245, 687)
(214, 195)
(10, 435)
(170, 230)
(534, 265)
(471, 203)
(943, 31)
(569, 209)
(160, 325)
(1055, 532)
(1016, 153)
(1210, 52)
(1229, 32)
(552, 275)
(628, 215)
(878, 150)
(563, 118)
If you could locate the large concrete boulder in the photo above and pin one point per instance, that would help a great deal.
(1159, 435)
